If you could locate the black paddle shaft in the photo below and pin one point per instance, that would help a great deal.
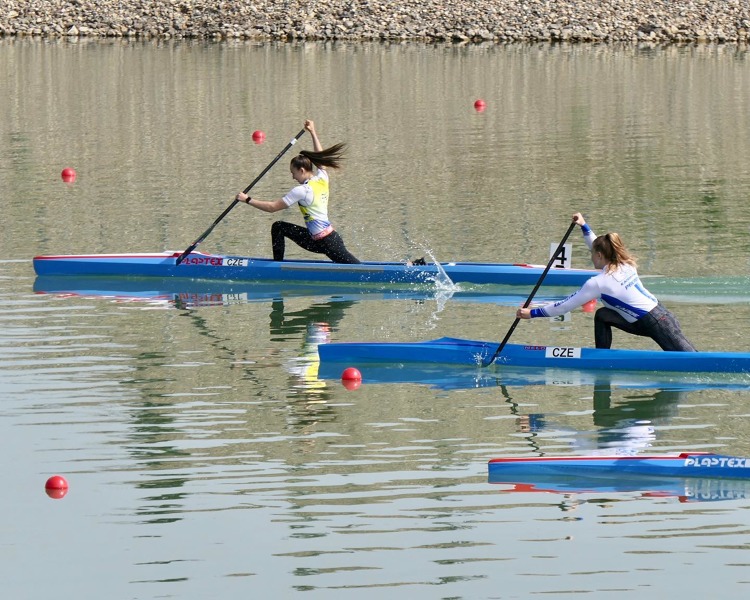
(533, 292)
(206, 233)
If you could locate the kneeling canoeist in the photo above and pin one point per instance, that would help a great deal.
(311, 195)
(627, 304)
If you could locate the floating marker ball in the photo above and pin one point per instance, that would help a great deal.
(56, 487)
(56, 482)
(589, 306)
(351, 374)
(68, 175)
(351, 378)
(480, 105)
(259, 137)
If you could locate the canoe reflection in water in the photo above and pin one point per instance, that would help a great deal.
(625, 427)
(576, 490)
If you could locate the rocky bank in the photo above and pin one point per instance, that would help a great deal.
(456, 21)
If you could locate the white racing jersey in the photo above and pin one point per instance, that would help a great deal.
(619, 289)
(312, 199)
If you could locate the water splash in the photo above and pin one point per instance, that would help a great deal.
(441, 297)
(444, 290)
(442, 281)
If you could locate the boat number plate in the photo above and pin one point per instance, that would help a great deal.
(562, 352)
(235, 262)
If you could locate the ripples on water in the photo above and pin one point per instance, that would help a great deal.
(206, 457)
(203, 450)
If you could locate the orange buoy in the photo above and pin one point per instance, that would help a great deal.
(68, 175)
(480, 105)
(259, 137)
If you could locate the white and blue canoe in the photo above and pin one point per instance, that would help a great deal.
(685, 464)
(456, 351)
(241, 268)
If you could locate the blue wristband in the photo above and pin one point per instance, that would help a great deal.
(585, 229)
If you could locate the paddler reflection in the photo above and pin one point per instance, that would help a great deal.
(625, 422)
(315, 323)
(625, 426)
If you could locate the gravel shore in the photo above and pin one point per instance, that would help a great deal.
(456, 21)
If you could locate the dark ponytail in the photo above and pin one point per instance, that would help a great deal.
(330, 157)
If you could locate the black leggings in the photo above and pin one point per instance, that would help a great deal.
(331, 245)
(659, 324)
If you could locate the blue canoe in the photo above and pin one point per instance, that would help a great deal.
(241, 268)
(685, 464)
(455, 351)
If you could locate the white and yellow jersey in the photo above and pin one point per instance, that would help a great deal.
(312, 199)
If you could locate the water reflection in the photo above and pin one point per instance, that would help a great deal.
(308, 395)
(576, 490)
(622, 425)
(188, 293)
(455, 377)
(650, 406)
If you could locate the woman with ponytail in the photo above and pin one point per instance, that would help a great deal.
(627, 304)
(311, 195)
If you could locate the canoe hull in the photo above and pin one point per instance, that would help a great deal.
(689, 465)
(239, 268)
(455, 351)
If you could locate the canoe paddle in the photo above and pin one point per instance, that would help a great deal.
(206, 233)
(531, 296)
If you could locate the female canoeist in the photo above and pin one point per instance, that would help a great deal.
(311, 195)
(627, 304)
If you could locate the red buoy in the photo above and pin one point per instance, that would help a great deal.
(351, 378)
(56, 487)
(589, 306)
(259, 137)
(351, 374)
(68, 175)
(480, 105)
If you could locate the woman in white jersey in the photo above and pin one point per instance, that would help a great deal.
(627, 304)
(311, 195)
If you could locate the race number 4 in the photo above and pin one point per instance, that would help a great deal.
(563, 260)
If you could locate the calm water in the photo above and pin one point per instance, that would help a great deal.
(205, 455)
